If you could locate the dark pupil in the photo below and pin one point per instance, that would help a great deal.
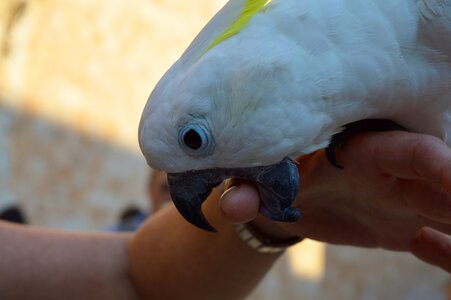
(192, 139)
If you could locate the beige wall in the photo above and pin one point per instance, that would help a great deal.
(74, 77)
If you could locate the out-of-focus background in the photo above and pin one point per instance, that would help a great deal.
(74, 78)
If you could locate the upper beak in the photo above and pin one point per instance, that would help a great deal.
(277, 184)
(189, 190)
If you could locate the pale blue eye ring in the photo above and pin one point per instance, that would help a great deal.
(196, 140)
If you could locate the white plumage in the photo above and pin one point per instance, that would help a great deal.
(295, 75)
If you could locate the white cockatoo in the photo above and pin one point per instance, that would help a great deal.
(267, 81)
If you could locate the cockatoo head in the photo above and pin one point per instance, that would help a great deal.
(217, 113)
(217, 119)
(220, 113)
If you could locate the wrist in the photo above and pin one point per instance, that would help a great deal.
(265, 236)
(271, 229)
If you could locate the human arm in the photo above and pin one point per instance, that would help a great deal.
(393, 186)
(172, 259)
(39, 263)
(166, 259)
(372, 203)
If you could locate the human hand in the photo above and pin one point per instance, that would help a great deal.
(394, 193)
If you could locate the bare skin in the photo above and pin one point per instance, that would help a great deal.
(38, 263)
(159, 191)
(167, 258)
(172, 259)
(394, 193)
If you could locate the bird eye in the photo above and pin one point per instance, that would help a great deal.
(192, 139)
(195, 140)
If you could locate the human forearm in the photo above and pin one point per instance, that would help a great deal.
(172, 259)
(51, 264)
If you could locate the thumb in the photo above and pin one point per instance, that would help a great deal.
(240, 202)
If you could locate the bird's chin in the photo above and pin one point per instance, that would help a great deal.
(277, 184)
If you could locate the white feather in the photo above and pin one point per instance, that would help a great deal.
(297, 73)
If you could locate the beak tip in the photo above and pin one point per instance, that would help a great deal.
(197, 219)
(188, 192)
(210, 229)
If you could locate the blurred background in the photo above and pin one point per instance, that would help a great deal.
(74, 78)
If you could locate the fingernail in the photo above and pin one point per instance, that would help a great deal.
(228, 192)
(231, 182)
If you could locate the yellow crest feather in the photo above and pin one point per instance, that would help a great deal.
(251, 8)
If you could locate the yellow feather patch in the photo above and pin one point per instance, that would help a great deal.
(251, 8)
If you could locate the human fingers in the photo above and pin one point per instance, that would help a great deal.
(410, 155)
(240, 202)
(336, 227)
(426, 199)
(433, 247)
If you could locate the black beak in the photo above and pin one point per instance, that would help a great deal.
(277, 184)
(189, 190)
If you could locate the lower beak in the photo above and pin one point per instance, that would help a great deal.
(277, 184)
